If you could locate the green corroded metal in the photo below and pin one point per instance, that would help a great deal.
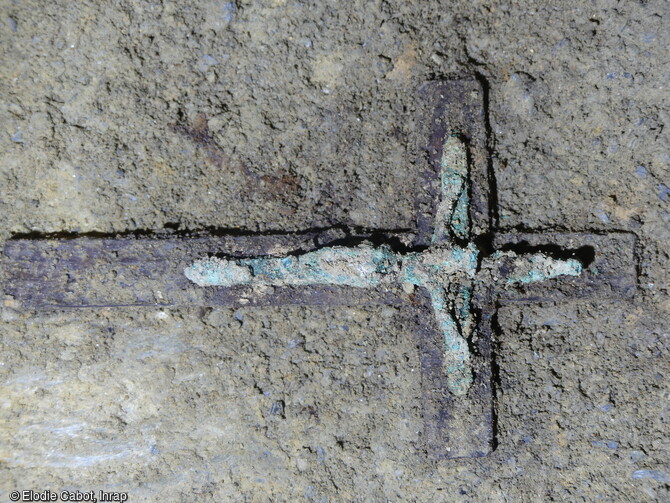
(435, 269)
(452, 219)
(366, 267)
(446, 270)
(539, 267)
(361, 267)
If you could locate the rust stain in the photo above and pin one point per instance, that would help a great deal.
(198, 133)
(280, 186)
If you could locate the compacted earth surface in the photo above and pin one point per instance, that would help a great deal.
(281, 116)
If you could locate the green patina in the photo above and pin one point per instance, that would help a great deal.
(366, 267)
(216, 272)
(446, 271)
(539, 267)
(463, 305)
(452, 220)
(361, 267)
(435, 271)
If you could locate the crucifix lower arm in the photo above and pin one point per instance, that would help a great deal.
(454, 270)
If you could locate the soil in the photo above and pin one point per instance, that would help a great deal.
(286, 116)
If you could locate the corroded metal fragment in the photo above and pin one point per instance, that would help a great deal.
(452, 216)
(366, 267)
(436, 269)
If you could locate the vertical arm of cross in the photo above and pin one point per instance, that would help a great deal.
(452, 221)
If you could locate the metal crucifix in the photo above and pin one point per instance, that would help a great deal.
(454, 272)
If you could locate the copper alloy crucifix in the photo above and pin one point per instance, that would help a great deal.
(454, 269)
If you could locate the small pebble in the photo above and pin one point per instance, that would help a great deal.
(277, 408)
(651, 474)
(610, 444)
(602, 216)
(228, 11)
(206, 61)
(636, 456)
(15, 109)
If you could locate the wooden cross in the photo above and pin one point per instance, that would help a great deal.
(453, 271)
